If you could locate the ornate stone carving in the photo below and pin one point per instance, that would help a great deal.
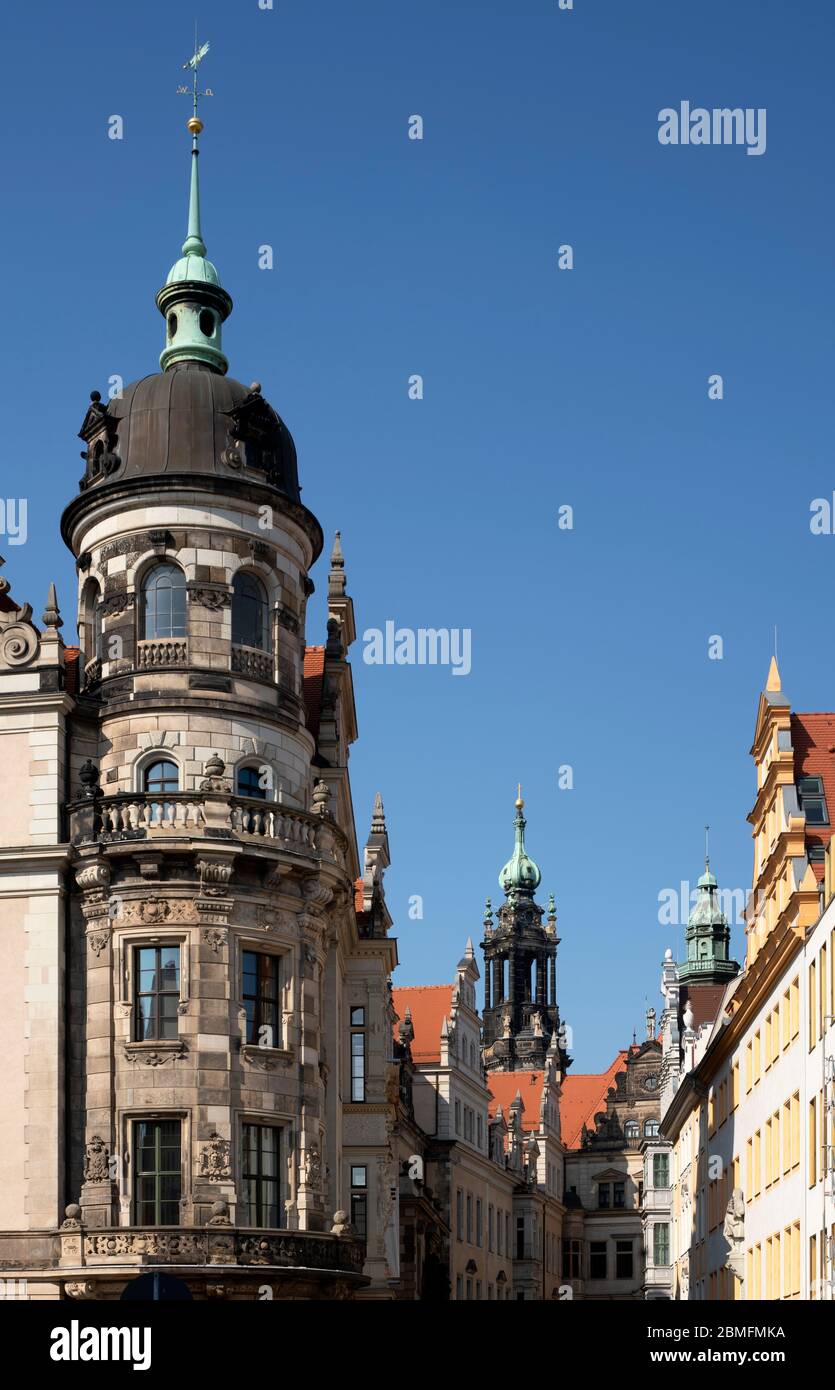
(213, 597)
(313, 1168)
(734, 1233)
(155, 1057)
(214, 876)
(216, 937)
(220, 1214)
(72, 1218)
(96, 1160)
(115, 604)
(215, 1158)
(80, 1289)
(97, 940)
(153, 910)
(213, 775)
(19, 642)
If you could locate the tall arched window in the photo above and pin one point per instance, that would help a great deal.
(249, 611)
(249, 783)
(91, 618)
(632, 1131)
(158, 778)
(164, 602)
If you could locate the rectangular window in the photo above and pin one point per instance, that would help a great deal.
(478, 1222)
(624, 1260)
(359, 1199)
(261, 1175)
(735, 1085)
(795, 1143)
(260, 998)
(158, 1172)
(749, 1171)
(824, 981)
(787, 1022)
(661, 1170)
(604, 1193)
(787, 1136)
(749, 1067)
(813, 1266)
(480, 1132)
(757, 1050)
(757, 1164)
(795, 1006)
(520, 1238)
(499, 1229)
(459, 1214)
(469, 1218)
(661, 1243)
(812, 800)
(811, 1004)
(597, 1259)
(490, 1228)
(358, 1054)
(619, 1195)
(813, 1141)
(457, 1117)
(157, 992)
(768, 1153)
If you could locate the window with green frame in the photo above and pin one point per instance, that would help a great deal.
(661, 1243)
(661, 1170)
(261, 1174)
(158, 1178)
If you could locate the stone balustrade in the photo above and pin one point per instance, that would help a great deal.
(250, 661)
(211, 1245)
(157, 652)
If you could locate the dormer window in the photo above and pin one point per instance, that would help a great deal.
(812, 800)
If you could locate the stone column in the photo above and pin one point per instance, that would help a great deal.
(99, 1190)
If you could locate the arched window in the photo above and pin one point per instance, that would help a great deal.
(158, 778)
(249, 611)
(631, 1131)
(651, 1128)
(164, 602)
(249, 782)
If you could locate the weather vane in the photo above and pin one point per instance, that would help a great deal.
(194, 62)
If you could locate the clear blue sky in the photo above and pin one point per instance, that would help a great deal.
(541, 388)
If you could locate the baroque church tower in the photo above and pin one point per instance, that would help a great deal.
(522, 1027)
(195, 957)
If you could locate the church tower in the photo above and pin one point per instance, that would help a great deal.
(707, 938)
(208, 954)
(521, 1016)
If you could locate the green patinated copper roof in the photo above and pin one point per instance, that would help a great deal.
(520, 871)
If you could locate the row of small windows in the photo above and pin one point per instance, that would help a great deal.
(632, 1130)
(162, 608)
(163, 777)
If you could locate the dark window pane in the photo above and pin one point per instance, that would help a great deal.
(249, 611)
(249, 783)
(164, 602)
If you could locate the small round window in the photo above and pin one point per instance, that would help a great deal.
(172, 325)
(207, 323)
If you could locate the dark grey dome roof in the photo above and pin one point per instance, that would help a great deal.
(189, 419)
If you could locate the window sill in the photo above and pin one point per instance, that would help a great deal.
(266, 1057)
(155, 1052)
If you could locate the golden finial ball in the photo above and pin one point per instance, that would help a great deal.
(195, 125)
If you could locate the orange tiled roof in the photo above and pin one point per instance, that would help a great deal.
(584, 1096)
(71, 669)
(430, 1005)
(314, 669)
(503, 1086)
(813, 741)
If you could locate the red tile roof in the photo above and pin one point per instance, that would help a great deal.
(314, 670)
(430, 1005)
(503, 1086)
(583, 1097)
(72, 670)
(704, 1000)
(813, 741)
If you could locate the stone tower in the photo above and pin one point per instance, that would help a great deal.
(520, 980)
(208, 958)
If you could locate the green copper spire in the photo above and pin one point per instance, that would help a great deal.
(708, 937)
(192, 299)
(520, 873)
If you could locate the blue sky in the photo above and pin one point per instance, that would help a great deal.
(542, 388)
